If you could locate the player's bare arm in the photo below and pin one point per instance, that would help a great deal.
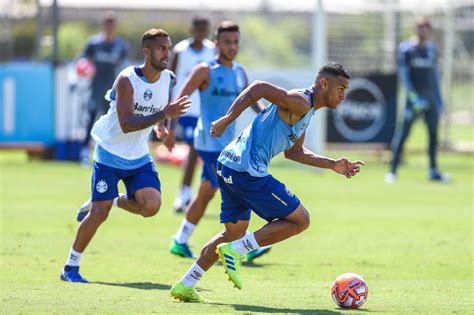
(292, 105)
(303, 155)
(125, 109)
(257, 106)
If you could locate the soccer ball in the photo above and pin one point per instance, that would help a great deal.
(85, 68)
(349, 290)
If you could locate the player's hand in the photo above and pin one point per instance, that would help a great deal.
(218, 126)
(170, 140)
(347, 168)
(161, 131)
(178, 107)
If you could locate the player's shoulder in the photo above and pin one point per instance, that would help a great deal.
(209, 44)
(182, 45)
(407, 45)
(96, 39)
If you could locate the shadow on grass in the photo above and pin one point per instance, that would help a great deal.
(265, 309)
(141, 285)
(138, 285)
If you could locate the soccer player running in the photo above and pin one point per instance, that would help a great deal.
(244, 180)
(219, 82)
(139, 100)
(186, 55)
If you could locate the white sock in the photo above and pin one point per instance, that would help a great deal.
(74, 258)
(115, 203)
(186, 193)
(192, 277)
(245, 244)
(184, 232)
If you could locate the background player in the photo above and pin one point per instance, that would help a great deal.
(418, 72)
(107, 51)
(186, 55)
(244, 180)
(139, 100)
(219, 82)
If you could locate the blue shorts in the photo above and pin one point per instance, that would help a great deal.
(185, 130)
(209, 162)
(242, 193)
(105, 180)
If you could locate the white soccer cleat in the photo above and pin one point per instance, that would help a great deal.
(390, 178)
(84, 210)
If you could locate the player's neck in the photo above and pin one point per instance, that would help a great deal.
(197, 45)
(150, 73)
(225, 62)
(318, 99)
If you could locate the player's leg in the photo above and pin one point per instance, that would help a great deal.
(432, 121)
(87, 229)
(184, 289)
(149, 200)
(104, 190)
(282, 229)
(143, 192)
(185, 193)
(398, 142)
(198, 205)
(195, 212)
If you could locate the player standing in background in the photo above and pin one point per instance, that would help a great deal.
(418, 72)
(219, 81)
(244, 180)
(107, 51)
(139, 100)
(186, 55)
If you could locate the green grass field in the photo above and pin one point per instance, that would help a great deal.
(411, 241)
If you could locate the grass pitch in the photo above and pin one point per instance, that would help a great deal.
(411, 241)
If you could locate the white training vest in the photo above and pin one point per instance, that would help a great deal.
(148, 98)
(187, 60)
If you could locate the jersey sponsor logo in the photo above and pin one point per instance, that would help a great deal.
(140, 110)
(101, 186)
(147, 95)
(227, 180)
(223, 92)
(231, 156)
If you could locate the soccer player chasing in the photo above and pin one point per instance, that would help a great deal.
(219, 82)
(245, 183)
(139, 103)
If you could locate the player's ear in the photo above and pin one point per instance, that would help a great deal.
(324, 82)
(146, 51)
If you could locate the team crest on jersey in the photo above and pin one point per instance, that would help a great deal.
(220, 79)
(101, 186)
(147, 95)
(288, 192)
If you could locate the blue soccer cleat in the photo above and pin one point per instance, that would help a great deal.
(71, 274)
(84, 210)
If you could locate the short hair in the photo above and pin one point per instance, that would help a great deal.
(226, 26)
(423, 21)
(109, 16)
(151, 35)
(335, 69)
(199, 20)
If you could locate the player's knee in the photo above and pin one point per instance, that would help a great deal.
(304, 222)
(232, 235)
(150, 209)
(99, 214)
